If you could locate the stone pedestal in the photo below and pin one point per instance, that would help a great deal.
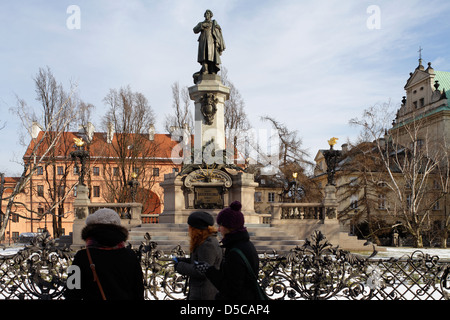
(209, 96)
(178, 203)
(208, 184)
(330, 203)
(81, 207)
(330, 196)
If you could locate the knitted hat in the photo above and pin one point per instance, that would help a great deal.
(231, 217)
(200, 220)
(103, 216)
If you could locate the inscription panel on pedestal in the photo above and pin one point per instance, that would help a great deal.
(208, 198)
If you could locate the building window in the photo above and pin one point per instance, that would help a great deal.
(116, 171)
(258, 197)
(271, 197)
(96, 171)
(40, 190)
(175, 170)
(354, 202)
(15, 217)
(421, 102)
(15, 236)
(381, 202)
(437, 206)
(60, 170)
(96, 191)
(156, 172)
(39, 171)
(76, 170)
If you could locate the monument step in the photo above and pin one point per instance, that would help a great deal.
(170, 235)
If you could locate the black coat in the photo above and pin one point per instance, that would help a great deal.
(200, 288)
(118, 269)
(233, 279)
(119, 272)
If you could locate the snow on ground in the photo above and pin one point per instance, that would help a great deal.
(9, 251)
(443, 254)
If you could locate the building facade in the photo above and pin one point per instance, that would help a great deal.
(120, 168)
(416, 151)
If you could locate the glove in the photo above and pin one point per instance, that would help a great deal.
(201, 266)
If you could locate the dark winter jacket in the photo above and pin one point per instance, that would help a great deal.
(117, 267)
(200, 288)
(233, 279)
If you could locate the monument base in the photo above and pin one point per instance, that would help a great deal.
(179, 201)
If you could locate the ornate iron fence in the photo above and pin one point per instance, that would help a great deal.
(315, 271)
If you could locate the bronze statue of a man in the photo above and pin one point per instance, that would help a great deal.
(210, 44)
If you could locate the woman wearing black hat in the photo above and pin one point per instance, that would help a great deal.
(204, 246)
(236, 278)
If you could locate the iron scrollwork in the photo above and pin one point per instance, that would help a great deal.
(314, 271)
(39, 271)
(160, 279)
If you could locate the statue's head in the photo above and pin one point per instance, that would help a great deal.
(208, 12)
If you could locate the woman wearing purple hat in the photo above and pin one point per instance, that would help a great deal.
(236, 278)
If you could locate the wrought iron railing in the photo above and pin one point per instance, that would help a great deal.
(314, 271)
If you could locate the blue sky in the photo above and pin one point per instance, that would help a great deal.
(313, 65)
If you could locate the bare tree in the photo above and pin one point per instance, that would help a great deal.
(293, 159)
(129, 117)
(416, 169)
(182, 115)
(58, 112)
(361, 187)
(236, 120)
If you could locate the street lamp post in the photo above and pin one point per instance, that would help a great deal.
(331, 159)
(133, 183)
(82, 155)
(294, 187)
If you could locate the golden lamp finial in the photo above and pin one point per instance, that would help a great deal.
(333, 141)
(79, 142)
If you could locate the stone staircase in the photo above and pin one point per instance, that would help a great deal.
(169, 235)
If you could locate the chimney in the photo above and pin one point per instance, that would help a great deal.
(151, 132)
(344, 148)
(35, 129)
(110, 132)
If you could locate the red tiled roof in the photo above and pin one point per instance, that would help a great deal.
(160, 147)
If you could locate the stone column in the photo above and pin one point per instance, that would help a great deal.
(174, 200)
(81, 208)
(330, 203)
(209, 95)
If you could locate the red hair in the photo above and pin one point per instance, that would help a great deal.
(198, 236)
